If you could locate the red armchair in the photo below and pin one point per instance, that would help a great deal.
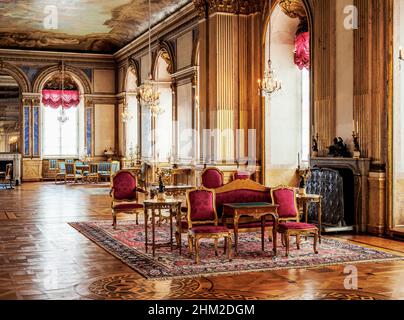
(203, 221)
(212, 178)
(288, 212)
(124, 193)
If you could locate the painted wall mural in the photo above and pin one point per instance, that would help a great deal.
(101, 26)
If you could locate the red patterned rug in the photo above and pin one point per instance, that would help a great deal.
(127, 244)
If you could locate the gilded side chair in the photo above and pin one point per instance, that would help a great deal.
(92, 174)
(212, 178)
(242, 175)
(203, 222)
(289, 218)
(124, 193)
(60, 172)
(71, 173)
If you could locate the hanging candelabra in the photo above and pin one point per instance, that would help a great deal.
(270, 83)
(149, 93)
(62, 117)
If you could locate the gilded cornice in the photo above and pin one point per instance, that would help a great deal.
(244, 7)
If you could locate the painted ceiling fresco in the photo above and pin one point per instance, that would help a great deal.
(101, 26)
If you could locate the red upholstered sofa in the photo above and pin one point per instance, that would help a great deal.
(241, 191)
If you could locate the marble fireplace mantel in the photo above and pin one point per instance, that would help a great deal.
(16, 158)
(360, 169)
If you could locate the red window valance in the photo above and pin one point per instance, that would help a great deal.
(302, 50)
(60, 98)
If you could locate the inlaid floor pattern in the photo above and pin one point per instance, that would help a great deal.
(42, 257)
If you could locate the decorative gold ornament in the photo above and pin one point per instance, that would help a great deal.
(293, 8)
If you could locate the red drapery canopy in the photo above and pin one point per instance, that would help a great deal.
(302, 50)
(60, 98)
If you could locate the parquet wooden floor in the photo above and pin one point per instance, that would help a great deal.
(42, 257)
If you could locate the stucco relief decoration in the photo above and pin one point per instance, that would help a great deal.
(293, 8)
(229, 6)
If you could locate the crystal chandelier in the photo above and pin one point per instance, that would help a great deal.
(148, 92)
(62, 117)
(270, 83)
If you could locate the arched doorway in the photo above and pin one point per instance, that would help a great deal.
(10, 110)
(287, 112)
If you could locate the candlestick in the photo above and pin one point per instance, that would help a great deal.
(298, 160)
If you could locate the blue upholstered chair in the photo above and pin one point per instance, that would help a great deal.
(61, 172)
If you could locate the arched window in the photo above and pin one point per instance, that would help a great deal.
(164, 121)
(62, 118)
(131, 125)
(287, 112)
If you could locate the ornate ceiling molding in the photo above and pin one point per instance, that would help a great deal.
(244, 7)
(293, 8)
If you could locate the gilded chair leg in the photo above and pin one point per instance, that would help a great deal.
(315, 242)
(229, 244)
(216, 244)
(225, 246)
(287, 243)
(190, 241)
(298, 241)
(137, 218)
(114, 219)
(196, 250)
(270, 235)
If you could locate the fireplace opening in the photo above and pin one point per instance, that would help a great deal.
(349, 196)
(3, 165)
(337, 187)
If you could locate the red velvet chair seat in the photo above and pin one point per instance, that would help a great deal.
(128, 206)
(295, 226)
(209, 229)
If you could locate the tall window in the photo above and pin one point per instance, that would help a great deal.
(131, 125)
(132, 141)
(287, 112)
(62, 117)
(164, 122)
(60, 139)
